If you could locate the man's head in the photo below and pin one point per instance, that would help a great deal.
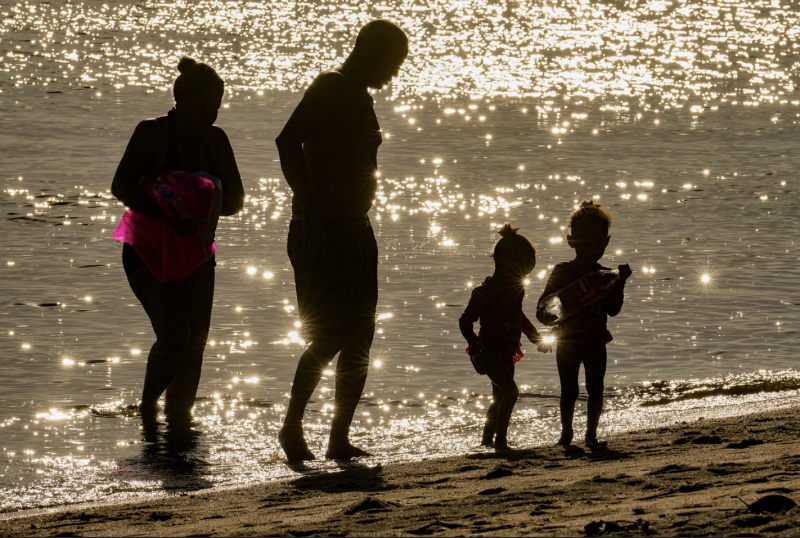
(381, 48)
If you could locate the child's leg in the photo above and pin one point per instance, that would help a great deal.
(490, 428)
(594, 363)
(502, 376)
(569, 362)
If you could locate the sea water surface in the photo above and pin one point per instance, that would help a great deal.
(679, 116)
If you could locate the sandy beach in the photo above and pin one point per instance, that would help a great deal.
(690, 479)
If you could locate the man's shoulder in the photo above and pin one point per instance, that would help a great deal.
(331, 80)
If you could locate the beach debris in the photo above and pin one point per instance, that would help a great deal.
(491, 491)
(436, 526)
(467, 468)
(752, 521)
(707, 440)
(370, 503)
(599, 528)
(689, 488)
(770, 503)
(744, 443)
(163, 516)
(499, 472)
(674, 468)
(639, 511)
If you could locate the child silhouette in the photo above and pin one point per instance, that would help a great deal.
(582, 337)
(497, 303)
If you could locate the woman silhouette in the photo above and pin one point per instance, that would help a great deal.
(180, 311)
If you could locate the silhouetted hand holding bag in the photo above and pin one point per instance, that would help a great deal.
(173, 252)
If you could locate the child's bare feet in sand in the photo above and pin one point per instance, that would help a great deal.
(294, 444)
(343, 450)
(565, 439)
(503, 446)
(593, 443)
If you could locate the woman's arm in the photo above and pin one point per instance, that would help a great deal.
(232, 187)
(138, 155)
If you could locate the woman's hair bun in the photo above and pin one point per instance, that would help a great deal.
(186, 64)
(589, 203)
(196, 79)
(507, 230)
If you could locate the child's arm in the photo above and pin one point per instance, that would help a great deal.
(534, 336)
(469, 317)
(530, 331)
(549, 289)
(612, 303)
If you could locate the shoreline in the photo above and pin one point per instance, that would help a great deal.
(681, 479)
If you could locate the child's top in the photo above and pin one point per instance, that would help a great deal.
(501, 318)
(589, 326)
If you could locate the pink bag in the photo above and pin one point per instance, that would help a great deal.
(167, 254)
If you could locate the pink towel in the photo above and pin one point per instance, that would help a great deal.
(167, 254)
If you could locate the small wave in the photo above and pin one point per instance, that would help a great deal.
(666, 392)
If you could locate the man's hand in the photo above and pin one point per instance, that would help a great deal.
(184, 228)
(544, 348)
(314, 233)
(625, 271)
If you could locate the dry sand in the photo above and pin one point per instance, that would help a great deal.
(681, 480)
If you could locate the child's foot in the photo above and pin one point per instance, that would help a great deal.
(294, 444)
(344, 451)
(593, 443)
(565, 439)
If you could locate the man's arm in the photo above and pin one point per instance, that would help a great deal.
(318, 104)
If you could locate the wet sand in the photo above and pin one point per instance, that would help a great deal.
(679, 480)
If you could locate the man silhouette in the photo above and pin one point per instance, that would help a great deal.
(328, 152)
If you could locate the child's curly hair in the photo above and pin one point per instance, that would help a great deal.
(512, 245)
(589, 213)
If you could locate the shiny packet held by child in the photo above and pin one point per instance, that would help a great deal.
(585, 291)
(168, 255)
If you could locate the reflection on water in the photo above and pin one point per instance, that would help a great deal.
(514, 111)
(671, 50)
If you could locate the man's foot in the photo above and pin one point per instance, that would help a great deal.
(344, 451)
(565, 439)
(487, 441)
(592, 442)
(502, 446)
(294, 444)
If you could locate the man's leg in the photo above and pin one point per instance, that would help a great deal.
(306, 378)
(198, 291)
(313, 295)
(359, 261)
(594, 364)
(569, 363)
(502, 376)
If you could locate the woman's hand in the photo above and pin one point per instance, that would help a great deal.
(544, 348)
(184, 228)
